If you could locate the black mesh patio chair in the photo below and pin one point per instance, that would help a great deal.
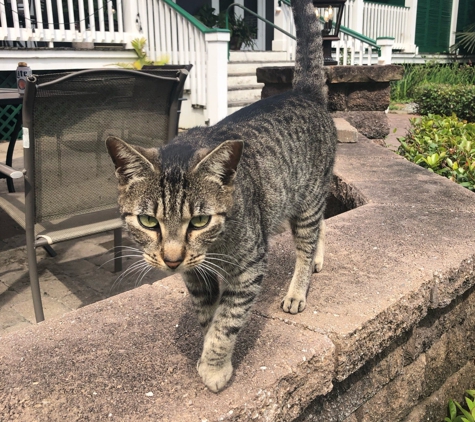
(70, 186)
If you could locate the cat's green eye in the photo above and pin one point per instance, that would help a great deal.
(199, 221)
(147, 221)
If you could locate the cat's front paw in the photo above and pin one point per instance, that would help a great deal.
(215, 377)
(318, 264)
(293, 304)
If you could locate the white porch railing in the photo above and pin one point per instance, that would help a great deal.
(383, 20)
(353, 48)
(169, 30)
(61, 21)
(172, 32)
(376, 20)
(170, 35)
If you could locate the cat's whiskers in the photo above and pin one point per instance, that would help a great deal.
(143, 273)
(204, 275)
(222, 254)
(208, 262)
(213, 268)
(125, 247)
(135, 267)
(120, 257)
(212, 258)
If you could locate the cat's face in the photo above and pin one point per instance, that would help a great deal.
(175, 210)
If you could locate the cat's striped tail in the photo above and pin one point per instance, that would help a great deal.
(309, 76)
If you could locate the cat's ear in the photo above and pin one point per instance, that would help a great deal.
(131, 163)
(221, 163)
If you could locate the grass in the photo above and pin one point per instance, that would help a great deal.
(415, 75)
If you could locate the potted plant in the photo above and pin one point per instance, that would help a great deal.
(142, 59)
(242, 34)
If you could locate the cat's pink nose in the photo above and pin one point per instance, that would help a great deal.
(172, 264)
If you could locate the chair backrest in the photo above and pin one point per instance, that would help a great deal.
(67, 119)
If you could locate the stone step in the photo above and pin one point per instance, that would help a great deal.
(249, 93)
(250, 67)
(234, 106)
(257, 56)
(242, 79)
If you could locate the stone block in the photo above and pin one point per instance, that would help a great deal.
(396, 399)
(362, 74)
(434, 407)
(360, 94)
(372, 124)
(337, 97)
(346, 133)
(271, 89)
(368, 96)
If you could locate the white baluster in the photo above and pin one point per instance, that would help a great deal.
(61, 34)
(101, 34)
(72, 24)
(174, 41)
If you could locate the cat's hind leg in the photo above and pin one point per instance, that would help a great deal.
(308, 230)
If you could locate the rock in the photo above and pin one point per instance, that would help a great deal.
(372, 124)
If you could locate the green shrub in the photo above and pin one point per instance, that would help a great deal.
(446, 100)
(443, 145)
(416, 75)
(458, 414)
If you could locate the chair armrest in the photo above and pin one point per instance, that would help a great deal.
(10, 172)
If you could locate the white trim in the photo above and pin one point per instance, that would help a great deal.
(64, 59)
(453, 22)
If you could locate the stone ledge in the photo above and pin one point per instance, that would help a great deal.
(334, 74)
(390, 264)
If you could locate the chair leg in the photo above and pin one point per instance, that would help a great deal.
(34, 280)
(117, 250)
(50, 251)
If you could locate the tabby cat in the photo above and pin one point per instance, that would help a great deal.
(205, 204)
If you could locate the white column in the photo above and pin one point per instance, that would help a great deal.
(410, 31)
(129, 12)
(356, 18)
(279, 43)
(386, 44)
(216, 76)
(453, 22)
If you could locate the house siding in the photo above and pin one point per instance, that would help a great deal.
(466, 14)
(433, 25)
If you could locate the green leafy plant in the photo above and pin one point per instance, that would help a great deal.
(242, 33)
(446, 100)
(443, 145)
(207, 16)
(458, 414)
(142, 59)
(465, 39)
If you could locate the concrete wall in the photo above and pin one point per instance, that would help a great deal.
(388, 332)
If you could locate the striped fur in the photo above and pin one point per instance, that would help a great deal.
(265, 165)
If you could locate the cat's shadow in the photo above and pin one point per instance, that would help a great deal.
(189, 337)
